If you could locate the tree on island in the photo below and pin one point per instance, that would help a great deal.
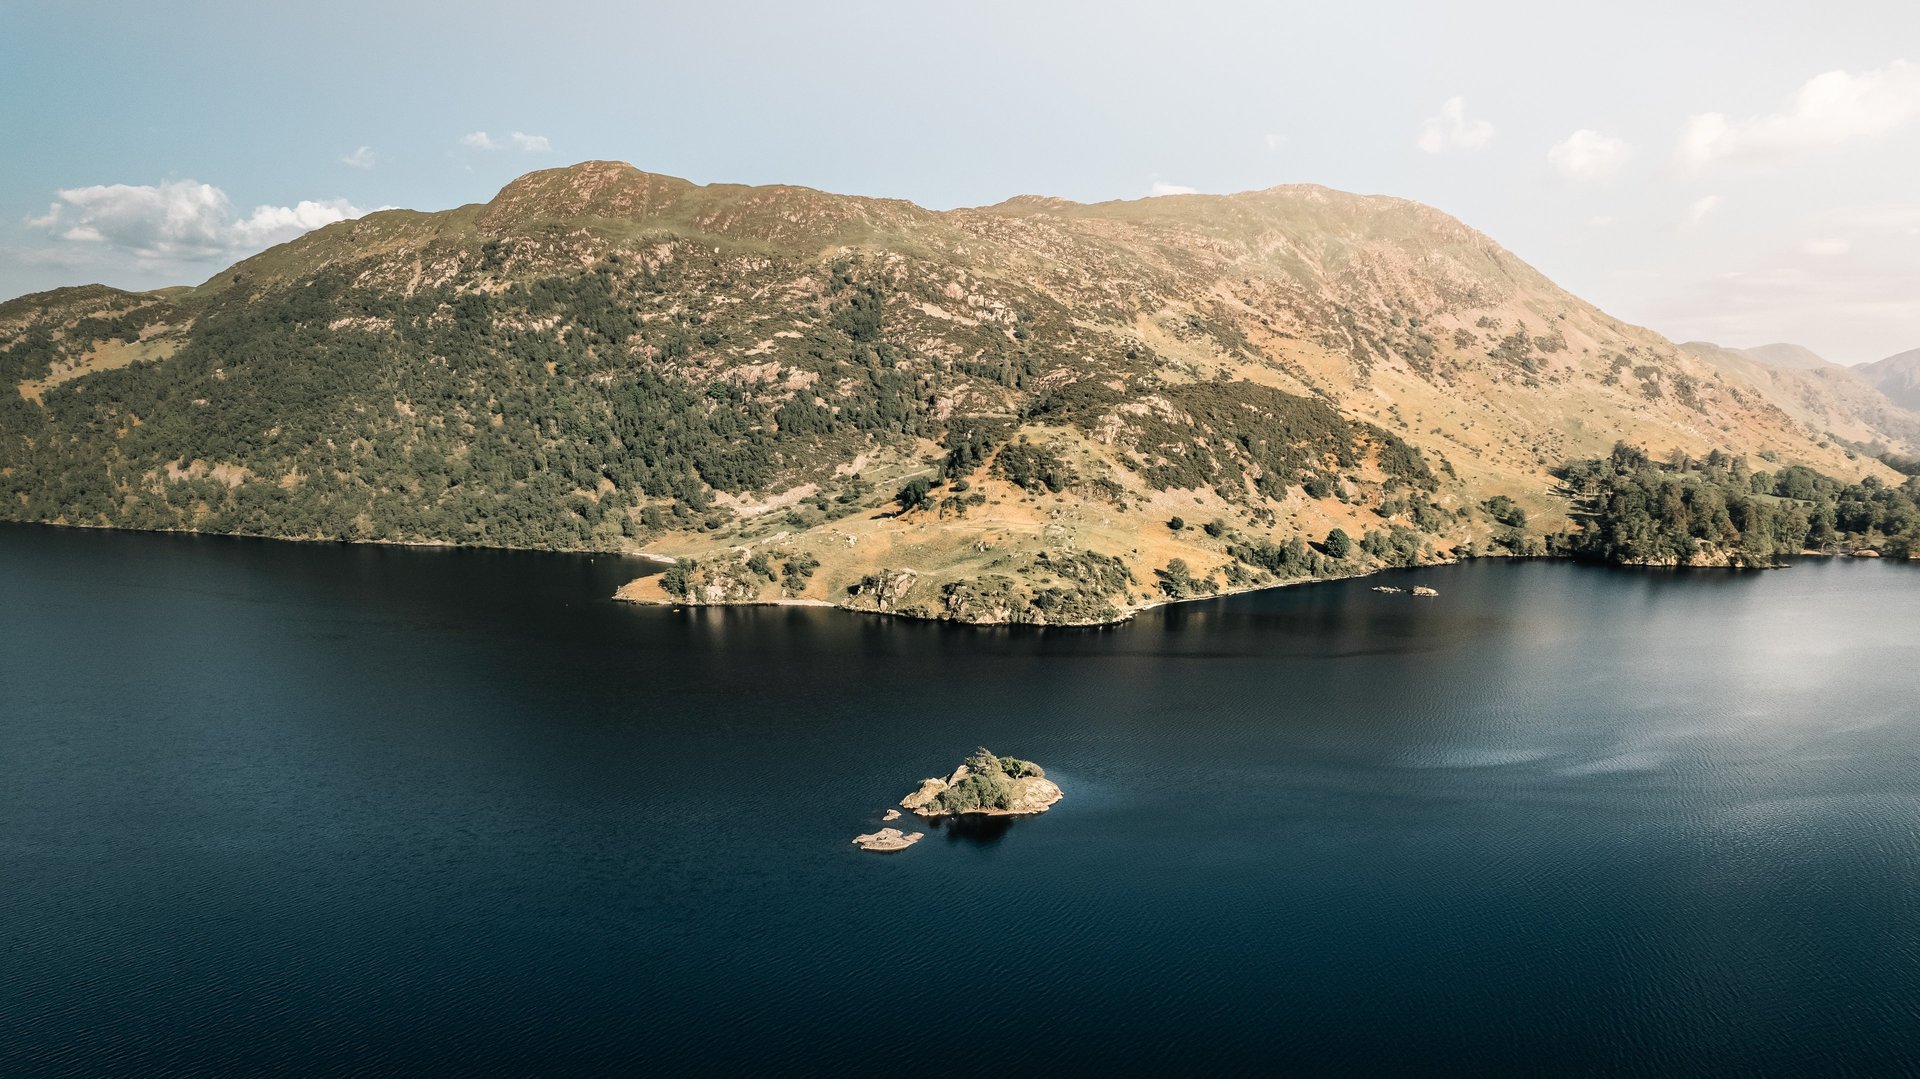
(988, 783)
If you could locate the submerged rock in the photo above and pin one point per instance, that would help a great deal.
(888, 839)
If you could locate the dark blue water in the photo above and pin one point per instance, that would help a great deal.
(276, 807)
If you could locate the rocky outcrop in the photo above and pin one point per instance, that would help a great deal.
(888, 839)
(883, 590)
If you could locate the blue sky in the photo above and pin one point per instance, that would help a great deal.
(1741, 172)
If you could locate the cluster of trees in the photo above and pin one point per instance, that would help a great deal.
(1285, 441)
(1290, 559)
(987, 785)
(1033, 468)
(1682, 511)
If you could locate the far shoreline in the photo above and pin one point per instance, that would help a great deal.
(663, 561)
(1228, 592)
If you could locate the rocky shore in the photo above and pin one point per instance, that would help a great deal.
(888, 839)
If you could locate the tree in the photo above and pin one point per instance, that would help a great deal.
(1176, 580)
(677, 581)
(1339, 544)
(915, 494)
(1177, 523)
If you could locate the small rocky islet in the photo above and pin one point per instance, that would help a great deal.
(983, 785)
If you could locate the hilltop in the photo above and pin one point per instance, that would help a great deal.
(1840, 404)
(1897, 376)
(1037, 411)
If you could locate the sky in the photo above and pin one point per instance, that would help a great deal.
(1735, 172)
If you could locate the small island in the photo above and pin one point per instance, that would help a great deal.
(986, 785)
(888, 839)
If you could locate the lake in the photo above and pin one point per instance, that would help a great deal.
(273, 807)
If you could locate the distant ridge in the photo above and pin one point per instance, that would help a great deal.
(1841, 402)
(1781, 354)
(1897, 376)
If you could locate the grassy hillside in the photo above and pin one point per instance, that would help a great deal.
(1035, 411)
(1897, 376)
(1837, 404)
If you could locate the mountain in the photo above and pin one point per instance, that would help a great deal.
(1792, 357)
(1897, 376)
(1032, 411)
(1841, 404)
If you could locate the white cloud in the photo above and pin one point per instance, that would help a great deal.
(179, 220)
(1828, 110)
(1275, 141)
(1451, 130)
(1827, 246)
(520, 140)
(1701, 208)
(1885, 220)
(1159, 188)
(1588, 155)
(362, 158)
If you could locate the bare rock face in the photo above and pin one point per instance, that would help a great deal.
(718, 586)
(1034, 794)
(891, 814)
(888, 839)
(883, 590)
(1423, 590)
(930, 789)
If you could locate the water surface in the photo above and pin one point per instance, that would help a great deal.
(300, 808)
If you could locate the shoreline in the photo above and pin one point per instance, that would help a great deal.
(1125, 616)
(1131, 613)
(431, 545)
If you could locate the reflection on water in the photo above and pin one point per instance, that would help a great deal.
(287, 807)
(977, 829)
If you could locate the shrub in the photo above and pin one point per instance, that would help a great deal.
(796, 572)
(1032, 468)
(1506, 511)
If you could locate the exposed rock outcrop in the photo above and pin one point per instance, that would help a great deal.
(888, 839)
(883, 590)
